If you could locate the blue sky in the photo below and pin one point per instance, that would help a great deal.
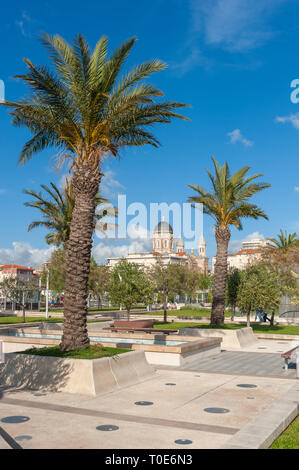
(232, 60)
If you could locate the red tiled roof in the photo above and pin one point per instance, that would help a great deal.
(15, 266)
(245, 252)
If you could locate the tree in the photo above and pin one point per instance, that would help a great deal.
(19, 291)
(129, 285)
(227, 204)
(167, 279)
(86, 112)
(233, 283)
(206, 281)
(57, 211)
(56, 271)
(259, 288)
(99, 278)
(188, 280)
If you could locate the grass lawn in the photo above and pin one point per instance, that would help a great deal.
(96, 309)
(289, 439)
(93, 352)
(10, 320)
(257, 328)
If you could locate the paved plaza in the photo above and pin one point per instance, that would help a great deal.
(207, 406)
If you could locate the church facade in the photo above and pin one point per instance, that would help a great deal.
(168, 250)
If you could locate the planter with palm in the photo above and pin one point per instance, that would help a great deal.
(85, 110)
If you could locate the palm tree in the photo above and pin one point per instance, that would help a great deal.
(84, 110)
(57, 212)
(227, 204)
(284, 241)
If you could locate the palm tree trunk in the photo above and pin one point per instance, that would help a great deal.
(85, 183)
(222, 234)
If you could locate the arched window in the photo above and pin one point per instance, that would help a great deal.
(165, 243)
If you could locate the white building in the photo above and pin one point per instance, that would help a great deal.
(250, 252)
(164, 246)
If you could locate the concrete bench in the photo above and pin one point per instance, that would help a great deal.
(144, 330)
(291, 354)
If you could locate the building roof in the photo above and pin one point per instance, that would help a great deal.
(163, 227)
(246, 252)
(15, 266)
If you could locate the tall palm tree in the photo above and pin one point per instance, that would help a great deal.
(227, 204)
(86, 110)
(57, 209)
(284, 241)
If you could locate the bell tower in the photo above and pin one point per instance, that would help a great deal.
(202, 247)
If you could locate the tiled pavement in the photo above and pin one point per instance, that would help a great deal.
(236, 362)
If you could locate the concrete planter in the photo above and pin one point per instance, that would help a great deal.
(82, 376)
(230, 338)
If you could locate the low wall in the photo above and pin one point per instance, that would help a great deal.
(239, 338)
(134, 323)
(82, 376)
(180, 360)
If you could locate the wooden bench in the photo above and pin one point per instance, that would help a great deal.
(288, 355)
(143, 330)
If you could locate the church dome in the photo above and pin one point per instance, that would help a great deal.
(163, 227)
(179, 242)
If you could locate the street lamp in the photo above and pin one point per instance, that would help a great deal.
(47, 292)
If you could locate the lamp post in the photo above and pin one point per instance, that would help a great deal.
(47, 293)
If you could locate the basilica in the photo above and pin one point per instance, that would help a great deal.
(168, 250)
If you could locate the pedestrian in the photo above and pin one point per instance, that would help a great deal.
(266, 317)
(259, 314)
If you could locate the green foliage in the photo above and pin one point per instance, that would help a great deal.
(289, 439)
(18, 290)
(56, 209)
(284, 241)
(93, 352)
(260, 287)
(129, 285)
(206, 281)
(169, 279)
(232, 286)
(99, 278)
(83, 107)
(56, 268)
(227, 203)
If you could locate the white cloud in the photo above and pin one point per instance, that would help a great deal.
(102, 251)
(24, 255)
(235, 25)
(192, 58)
(110, 186)
(296, 188)
(236, 136)
(138, 241)
(24, 22)
(292, 118)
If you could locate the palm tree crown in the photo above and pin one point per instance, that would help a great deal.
(227, 203)
(284, 241)
(82, 108)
